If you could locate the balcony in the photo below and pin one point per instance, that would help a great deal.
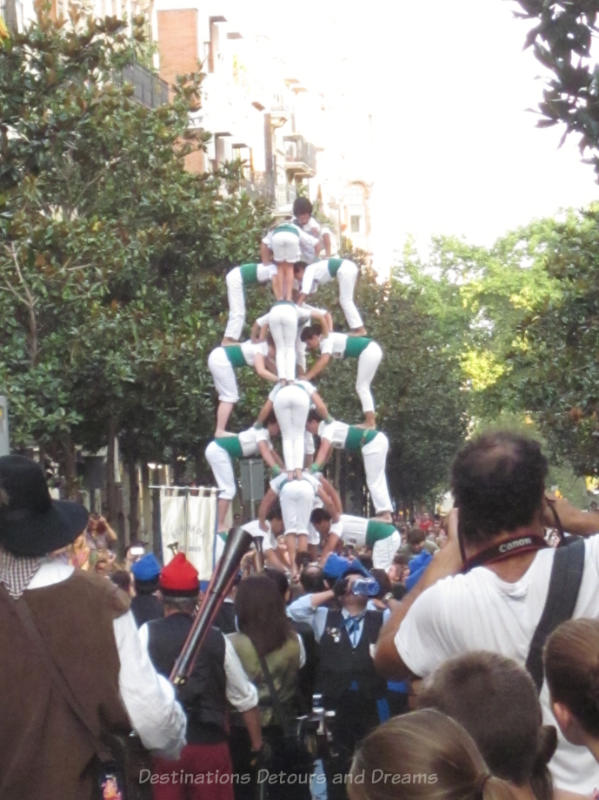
(148, 89)
(300, 156)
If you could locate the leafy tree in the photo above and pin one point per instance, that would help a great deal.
(112, 255)
(562, 39)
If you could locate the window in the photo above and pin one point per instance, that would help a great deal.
(354, 223)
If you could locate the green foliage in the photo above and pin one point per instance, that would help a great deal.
(112, 254)
(562, 39)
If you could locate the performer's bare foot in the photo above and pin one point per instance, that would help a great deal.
(220, 432)
(227, 340)
(384, 516)
(358, 331)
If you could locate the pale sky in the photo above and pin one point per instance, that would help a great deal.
(453, 149)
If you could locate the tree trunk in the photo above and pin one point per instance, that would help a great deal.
(146, 505)
(69, 464)
(111, 493)
(133, 501)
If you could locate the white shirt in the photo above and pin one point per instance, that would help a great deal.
(250, 438)
(148, 697)
(251, 349)
(334, 344)
(334, 432)
(479, 611)
(315, 274)
(241, 693)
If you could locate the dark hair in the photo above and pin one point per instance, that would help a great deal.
(279, 578)
(301, 205)
(311, 579)
(496, 700)
(366, 561)
(309, 331)
(319, 515)
(314, 416)
(572, 668)
(122, 578)
(145, 587)
(498, 482)
(270, 418)
(415, 536)
(260, 611)
(275, 512)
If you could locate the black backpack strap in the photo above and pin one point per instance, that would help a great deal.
(564, 584)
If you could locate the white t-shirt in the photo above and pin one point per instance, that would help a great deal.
(314, 275)
(250, 349)
(479, 611)
(334, 344)
(335, 432)
(250, 438)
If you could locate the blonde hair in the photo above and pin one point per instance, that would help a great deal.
(571, 658)
(423, 755)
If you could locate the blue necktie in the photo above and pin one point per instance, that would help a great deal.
(352, 626)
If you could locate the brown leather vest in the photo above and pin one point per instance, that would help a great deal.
(44, 750)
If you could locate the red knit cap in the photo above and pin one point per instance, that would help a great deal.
(179, 577)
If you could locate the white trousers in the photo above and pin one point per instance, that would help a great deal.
(282, 321)
(383, 551)
(222, 469)
(223, 375)
(285, 247)
(347, 275)
(236, 297)
(296, 498)
(368, 362)
(374, 456)
(291, 406)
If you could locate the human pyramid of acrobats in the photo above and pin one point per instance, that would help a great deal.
(309, 511)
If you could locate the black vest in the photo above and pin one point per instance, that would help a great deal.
(203, 696)
(341, 664)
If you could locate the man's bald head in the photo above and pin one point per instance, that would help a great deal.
(498, 481)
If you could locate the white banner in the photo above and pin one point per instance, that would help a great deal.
(188, 518)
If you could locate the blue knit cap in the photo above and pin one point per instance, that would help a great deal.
(337, 566)
(147, 568)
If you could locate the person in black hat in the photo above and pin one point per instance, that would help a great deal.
(87, 632)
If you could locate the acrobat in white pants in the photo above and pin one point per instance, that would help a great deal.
(296, 498)
(382, 537)
(291, 404)
(368, 362)
(283, 324)
(346, 272)
(374, 455)
(237, 279)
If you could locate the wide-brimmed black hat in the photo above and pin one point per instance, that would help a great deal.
(31, 523)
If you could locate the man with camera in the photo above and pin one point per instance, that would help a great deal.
(346, 677)
(496, 603)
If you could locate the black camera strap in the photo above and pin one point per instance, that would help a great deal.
(564, 584)
(516, 545)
